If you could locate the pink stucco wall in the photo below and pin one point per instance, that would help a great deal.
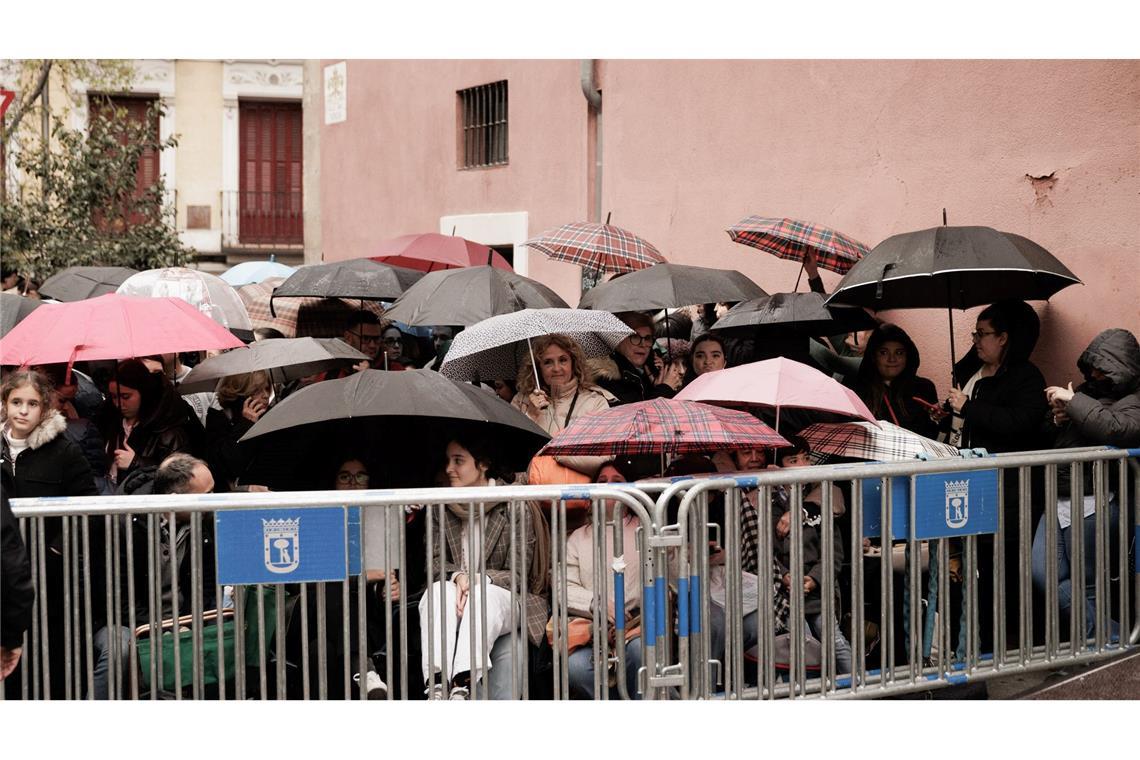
(872, 148)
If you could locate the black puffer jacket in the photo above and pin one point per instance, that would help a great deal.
(628, 383)
(1103, 412)
(15, 578)
(895, 402)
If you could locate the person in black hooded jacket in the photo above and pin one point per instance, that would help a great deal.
(888, 381)
(1103, 410)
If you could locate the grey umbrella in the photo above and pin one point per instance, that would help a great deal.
(469, 295)
(284, 358)
(360, 279)
(496, 348)
(14, 308)
(668, 286)
(80, 283)
(952, 268)
(414, 412)
(802, 314)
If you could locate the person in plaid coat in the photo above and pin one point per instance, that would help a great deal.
(470, 463)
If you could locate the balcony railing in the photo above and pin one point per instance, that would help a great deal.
(254, 218)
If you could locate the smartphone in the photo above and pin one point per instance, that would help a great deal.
(928, 405)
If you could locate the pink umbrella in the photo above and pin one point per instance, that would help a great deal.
(112, 327)
(430, 251)
(776, 383)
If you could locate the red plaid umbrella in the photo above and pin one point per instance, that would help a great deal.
(789, 239)
(662, 426)
(597, 246)
(312, 317)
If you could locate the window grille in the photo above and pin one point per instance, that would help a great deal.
(483, 119)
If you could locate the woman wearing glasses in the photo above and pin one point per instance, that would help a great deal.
(392, 347)
(998, 399)
(632, 373)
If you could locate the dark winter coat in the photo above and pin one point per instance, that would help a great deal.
(628, 383)
(1005, 410)
(171, 427)
(226, 458)
(17, 593)
(895, 402)
(1103, 412)
(141, 483)
(812, 549)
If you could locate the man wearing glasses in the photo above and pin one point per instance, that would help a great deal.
(630, 374)
(363, 334)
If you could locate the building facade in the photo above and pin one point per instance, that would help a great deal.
(498, 151)
(235, 178)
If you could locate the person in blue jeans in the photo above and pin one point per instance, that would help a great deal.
(581, 579)
(1103, 410)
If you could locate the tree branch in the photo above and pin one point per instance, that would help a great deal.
(28, 100)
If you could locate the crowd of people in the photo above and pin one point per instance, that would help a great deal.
(124, 428)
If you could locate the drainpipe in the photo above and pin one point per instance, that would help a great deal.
(594, 98)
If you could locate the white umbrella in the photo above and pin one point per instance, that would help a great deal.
(208, 294)
(495, 348)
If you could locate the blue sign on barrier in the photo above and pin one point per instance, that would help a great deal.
(946, 504)
(285, 545)
(956, 504)
(873, 507)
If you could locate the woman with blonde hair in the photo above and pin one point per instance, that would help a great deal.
(566, 390)
(241, 400)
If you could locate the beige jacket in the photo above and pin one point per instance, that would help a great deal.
(553, 419)
(580, 569)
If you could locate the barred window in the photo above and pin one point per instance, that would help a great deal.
(483, 120)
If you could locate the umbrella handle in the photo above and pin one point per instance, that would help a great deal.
(533, 365)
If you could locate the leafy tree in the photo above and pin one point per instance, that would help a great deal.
(80, 204)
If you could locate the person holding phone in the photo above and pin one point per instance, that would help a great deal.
(889, 384)
(633, 373)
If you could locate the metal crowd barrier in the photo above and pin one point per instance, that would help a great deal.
(284, 639)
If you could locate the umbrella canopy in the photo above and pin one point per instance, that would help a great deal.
(467, 296)
(597, 246)
(249, 272)
(661, 426)
(801, 314)
(416, 411)
(952, 267)
(112, 327)
(78, 283)
(312, 317)
(496, 348)
(360, 279)
(13, 309)
(886, 442)
(430, 251)
(668, 286)
(285, 358)
(791, 239)
(208, 294)
(775, 384)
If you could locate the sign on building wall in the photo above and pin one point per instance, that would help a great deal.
(336, 93)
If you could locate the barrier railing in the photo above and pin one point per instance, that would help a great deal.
(205, 596)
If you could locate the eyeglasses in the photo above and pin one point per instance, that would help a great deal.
(391, 341)
(367, 338)
(350, 478)
(640, 340)
(979, 334)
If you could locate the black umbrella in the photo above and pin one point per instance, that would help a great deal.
(668, 286)
(14, 308)
(81, 283)
(952, 268)
(799, 314)
(361, 279)
(402, 416)
(285, 358)
(469, 295)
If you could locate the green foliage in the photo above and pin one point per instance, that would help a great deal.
(79, 204)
